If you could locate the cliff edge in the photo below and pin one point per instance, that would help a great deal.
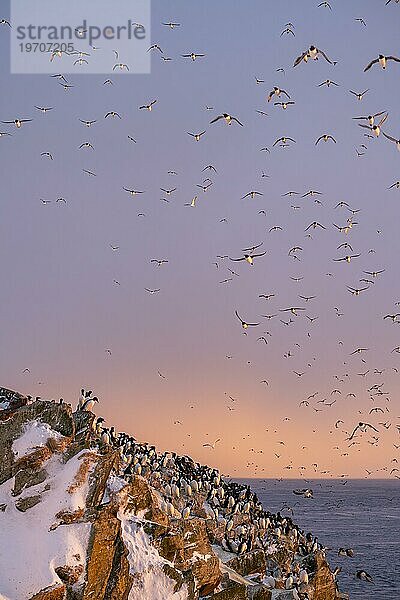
(89, 514)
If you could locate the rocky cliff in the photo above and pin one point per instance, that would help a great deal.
(89, 514)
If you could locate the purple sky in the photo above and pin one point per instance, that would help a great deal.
(60, 309)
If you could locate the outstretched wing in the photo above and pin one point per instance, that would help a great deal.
(381, 122)
(237, 314)
(370, 64)
(354, 432)
(372, 427)
(389, 137)
(299, 59)
(325, 56)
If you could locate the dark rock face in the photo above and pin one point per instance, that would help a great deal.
(98, 478)
(26, 478)
(183, 544)
(59, 417)
(12, 401)
(82, 422)
(24, 504)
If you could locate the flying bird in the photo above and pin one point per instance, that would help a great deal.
(382, 61)
(363, 428)
(277, 92)
(228, 119)
(17, 122)
(312, 53)
(244, 324)
(376, 129)
(325, 137)
(196, 136)
(193, 56)
(248, 257)
(149, 106)
(212, 445)
(359, 95)
(392, 139)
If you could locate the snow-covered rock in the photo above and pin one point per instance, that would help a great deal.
(73, 528)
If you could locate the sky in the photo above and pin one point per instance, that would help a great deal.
(65, 319)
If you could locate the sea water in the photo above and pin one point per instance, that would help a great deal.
(359, 514)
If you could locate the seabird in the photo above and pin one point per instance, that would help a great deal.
(364, 576)
(312, 53)
(228, 119)
(382, 60)
(89, 404)
(243, 323)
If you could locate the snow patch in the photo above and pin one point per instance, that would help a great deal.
(197, 556)
(114, 485)
(146, 563)
(35, 434)
(222, 554)
(29, 552)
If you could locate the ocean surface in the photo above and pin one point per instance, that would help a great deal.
(363, 515)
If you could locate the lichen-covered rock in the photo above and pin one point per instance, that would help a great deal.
(54, 592)
(143, 501)
(199, 555)
(282, 556)
(120, 580)
(83, 432)
(129, 514)
(24, 504)
(188, 546)
(249, 563)
(98, 477)
(322, 582)
(236, 591)
(69, 575)
(105, 557)
(26, 478)
(174, 574)
(57, 416)
(259, 592)
(10, 401)
(283, 595)
(66, 517)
